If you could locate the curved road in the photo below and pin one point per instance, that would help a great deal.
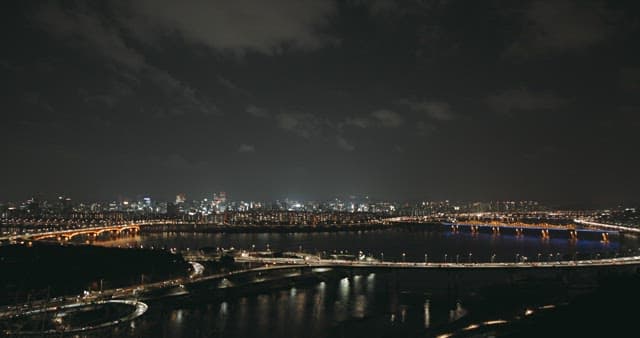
(139, 308)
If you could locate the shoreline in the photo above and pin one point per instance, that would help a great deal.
(277, 228)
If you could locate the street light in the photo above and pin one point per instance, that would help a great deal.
(403, 256)
(470, 257)
(426, 258)
(382, 256)
(445, 258)
(517, 257)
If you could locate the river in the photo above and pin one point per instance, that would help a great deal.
(363, 304)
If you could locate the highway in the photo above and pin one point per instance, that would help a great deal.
(289, 262)
(607, 226)
(139, 308)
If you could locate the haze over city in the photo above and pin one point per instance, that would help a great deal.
(482, 100)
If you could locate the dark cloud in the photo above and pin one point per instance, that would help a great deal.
(234, 88)
(37, 101)
(630, 79)
(515, 100)
(387, 118)
(437, 110)
(360, 122)
(424, 128)
(344, 144)
(237, 26)
(563, 25)
(178, 163)
(305, 125)
(5, 65)
(246, 148)
(84, 28)
(378, 118)
(267, 99)
(257, 111)
(104, 99)
(186, 98)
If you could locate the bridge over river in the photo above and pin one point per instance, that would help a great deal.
(282, 263)
(586, 230)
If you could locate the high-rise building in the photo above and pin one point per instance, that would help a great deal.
(181, 198)
(220, 198)
(172, 209)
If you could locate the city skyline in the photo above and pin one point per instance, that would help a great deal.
(535, 100)
(168, 198)
(218, 202)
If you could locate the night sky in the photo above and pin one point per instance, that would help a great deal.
(470, 100)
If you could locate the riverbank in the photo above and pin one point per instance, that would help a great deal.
(264, 228)
(46, 270)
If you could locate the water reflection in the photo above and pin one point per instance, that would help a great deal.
(427, 314)
(175, 322)
(318, 310)
(403, 313)
(337, 303)
(263, 308)
(344, 289)
(335, 307)
(221, 322)
(298, 308)
(439, 243)
(457, 312)
(283, 307)
(242, 307)
(340, 305)
(177, 316)
(359, 306)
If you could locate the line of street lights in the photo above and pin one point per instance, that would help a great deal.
(492, 258)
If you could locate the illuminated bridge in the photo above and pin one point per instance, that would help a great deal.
(306, 260)
(65, 235)
(283, 263)
(93, 230)
(587, 230)
(299, 267)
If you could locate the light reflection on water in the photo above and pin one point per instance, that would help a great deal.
(340, 304)
(322, 309)
(307, 311)
(393, 242)
(457, 312)
(378, 307)
(427, 315)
